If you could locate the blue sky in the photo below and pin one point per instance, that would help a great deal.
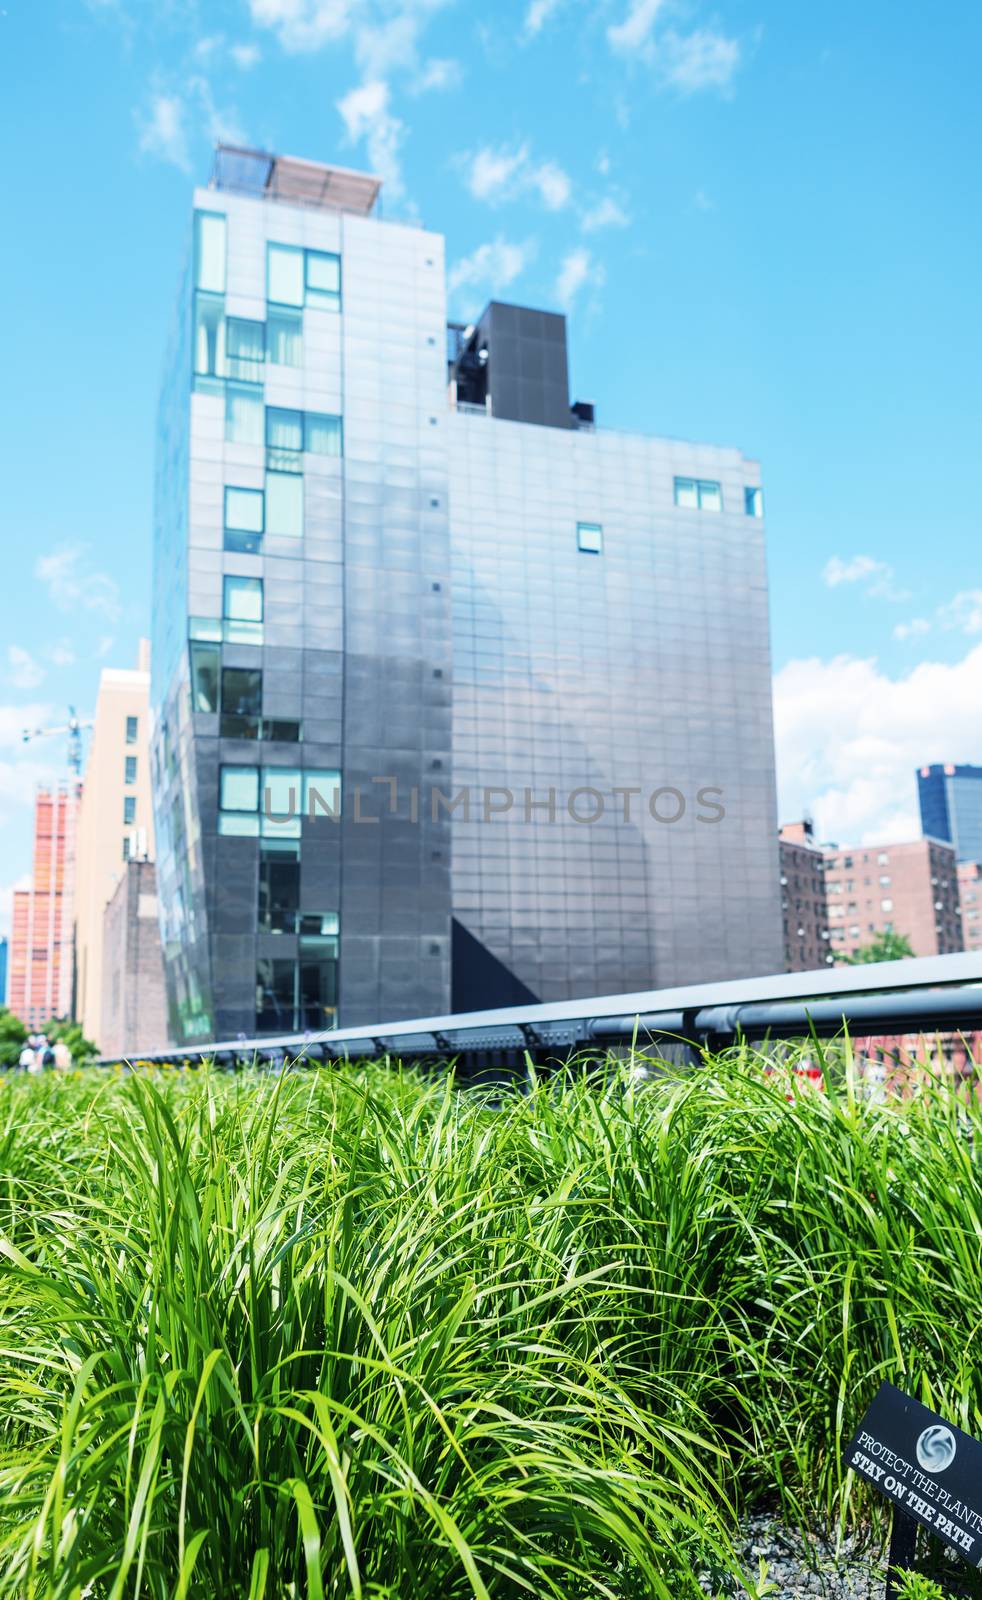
(760, 216)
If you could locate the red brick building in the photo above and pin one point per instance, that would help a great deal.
(806, 924)
(970, 896)
(909, 889)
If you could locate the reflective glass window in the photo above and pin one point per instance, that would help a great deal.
(323, 278)
(281, 801)
(243, 520)
(321, 793)
(243, 599)
(322, 434)
(279, 885)
(132, 725)
(205, 659)
(276, 995)
(590, 537)
(209, 336)
(130, 775)
(284, 274)
(243, 414)
(284, 439)
(209, 251)
(687, 493)
(239, 788)
(284, 338)
(245, 349)
(753, 501)
(284, 504)
(242, 696)
(710, 496)
(129, 810)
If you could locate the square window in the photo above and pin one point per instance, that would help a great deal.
(710, 496)
(886, 905)
(321, 794)
(590, 537)
(284, 504)
(243, 520)
(129, 810)
(322, 434)
(284, 274)
(284, 337)
(239, 788)
(687, 493)
(132, 726)
(130, 775)
(243, 414)
(243, 599)
(753, 502)
(323, 279)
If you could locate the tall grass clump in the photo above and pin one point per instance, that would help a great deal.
(361, 1333)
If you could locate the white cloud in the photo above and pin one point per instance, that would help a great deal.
(104, 646)
(366, 115)
(489, 269)
(501, 174)
(14, 719)
(70, 588)
(607, 213)
(850, 739)
(303, 25)
(25, 672)
(909, 630)
(964, 612)
(578, 270)
(63, 655)
(699, 60)
(245, 56)
(876, 577)
(538, 15)
(163, 131)
(439, 73)
(634, 33)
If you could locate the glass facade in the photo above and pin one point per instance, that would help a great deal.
(336, 658)
(950, 797)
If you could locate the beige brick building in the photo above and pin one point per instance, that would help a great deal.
(909, 889)
(134, 1005)
(115, 822)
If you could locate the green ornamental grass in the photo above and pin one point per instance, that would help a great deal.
(358, 1332)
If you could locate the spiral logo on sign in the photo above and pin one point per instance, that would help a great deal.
(936, 1448)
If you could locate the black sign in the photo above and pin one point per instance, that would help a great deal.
(929, 1469)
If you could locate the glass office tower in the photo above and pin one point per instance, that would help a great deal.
(458, 699)
(950, 797)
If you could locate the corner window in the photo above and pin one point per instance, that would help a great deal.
(205, 660)
(242, 610)
(284, 337)
(284, 504)
(590, 537)
(698, 494)
(243, 414)
(284, 274)
(322, 434)
(238, 800)
(129, 810)
(323, 279)
(242, 695)
(209, 251)
(130, 773)
(245, 349)
(753, 502)
(132, 726)
(243, 520)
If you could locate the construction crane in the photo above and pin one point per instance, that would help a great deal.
(73, 728)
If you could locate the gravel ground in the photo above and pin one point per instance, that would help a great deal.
(806, 1566)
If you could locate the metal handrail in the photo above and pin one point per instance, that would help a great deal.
(930, 993)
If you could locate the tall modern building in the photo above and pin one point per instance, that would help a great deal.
(458, 697)
(115, 821)
(41, 956)
(951, 806)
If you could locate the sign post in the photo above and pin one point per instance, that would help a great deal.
(929, 1470)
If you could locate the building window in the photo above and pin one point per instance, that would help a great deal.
(883, 859)
(589, 538)
(886, 905)
(238, 800)
(243, 520)
(698, 494)
(242, 696)
(281, 730)
(245, 343)
(284, 337)
(243, 414)
(130, 775)
(242, 610)
(209, 336)
(284, 505)
(322, 434)
(209, 251)
(323, 279)
(284, 274)
(132, 728)
(284, 439)
(279, 885)
(205, 659)
(281, 803)
(321, 794)
(885, 882)
(753, 502)
(129, 810)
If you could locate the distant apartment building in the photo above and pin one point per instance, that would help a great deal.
(803, 904)
(3, 970)
(134, 1002)
(970, 897)
(909, 889)
(41, 964)
(115, 821)
(950, 797)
